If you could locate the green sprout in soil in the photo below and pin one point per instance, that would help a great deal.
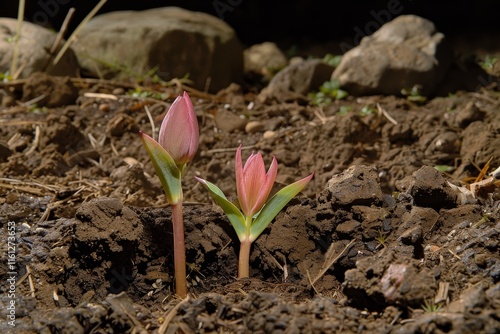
(444, 168)
(431, 307)
(34, 108)
(414, 94)
(382, 238)
(368, 110)
(328, 92)
(176, 146)
(253, 186)
(488, 62)
(344, 110)
(143, 93)
(332, 60)
(484, 219)
(6, 77)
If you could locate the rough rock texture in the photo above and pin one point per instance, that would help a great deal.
(263, 59)
(34, 47)
(403, 53)
(296, 80)
(358, 185)
(173, 40)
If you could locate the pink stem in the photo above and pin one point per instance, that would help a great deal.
(179, 251)
(244, 259)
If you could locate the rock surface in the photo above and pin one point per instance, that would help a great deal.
(263, 59)
(173, 40)
(296, 80)
(358, 185)
(403, 53)
(34, 47)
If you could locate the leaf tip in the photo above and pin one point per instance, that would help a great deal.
(200, 180)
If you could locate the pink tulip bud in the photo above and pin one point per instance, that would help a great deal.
(253, 185)
(179, 133)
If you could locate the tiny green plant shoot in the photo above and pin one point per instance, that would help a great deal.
(430, 306)
(488, 63)
(329, 91)
(253, 186)
(414, 94)
(176, 146)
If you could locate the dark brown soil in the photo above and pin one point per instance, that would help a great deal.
(379, 241)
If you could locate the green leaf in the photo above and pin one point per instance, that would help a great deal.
(341, 94)
(274, 206)
(165, 167)
(232, 212)
(332, 60)
(444, 168)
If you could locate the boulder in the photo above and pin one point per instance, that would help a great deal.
(175, 41)
(34, 46)
(405, 53)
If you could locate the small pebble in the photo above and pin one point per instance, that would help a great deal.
(104, 107)
(269, 134)
(481, 260)
(8, 101)
(254, 126)
(118, 91)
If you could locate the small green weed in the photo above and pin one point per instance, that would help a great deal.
(343, 110)
(142, 93)
(35, 109)
(488, 62)
(431, 307)
(444, 168)
(332, 60)
(329, 91)
(5, 76)
(369, 109)
(382, 237)
(414, 94)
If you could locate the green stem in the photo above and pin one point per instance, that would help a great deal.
(245, 245)
(179, 250)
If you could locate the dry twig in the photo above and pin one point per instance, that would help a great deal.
(330, 259)
(19, 29)
(77, 30)
(170, 315)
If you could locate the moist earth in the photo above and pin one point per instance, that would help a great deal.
(387, 238)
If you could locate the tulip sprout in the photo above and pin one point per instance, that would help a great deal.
(176, 146)
(253, 186)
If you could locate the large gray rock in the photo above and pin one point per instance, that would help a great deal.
(176, 41)
(403, 53)
(34, 47)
